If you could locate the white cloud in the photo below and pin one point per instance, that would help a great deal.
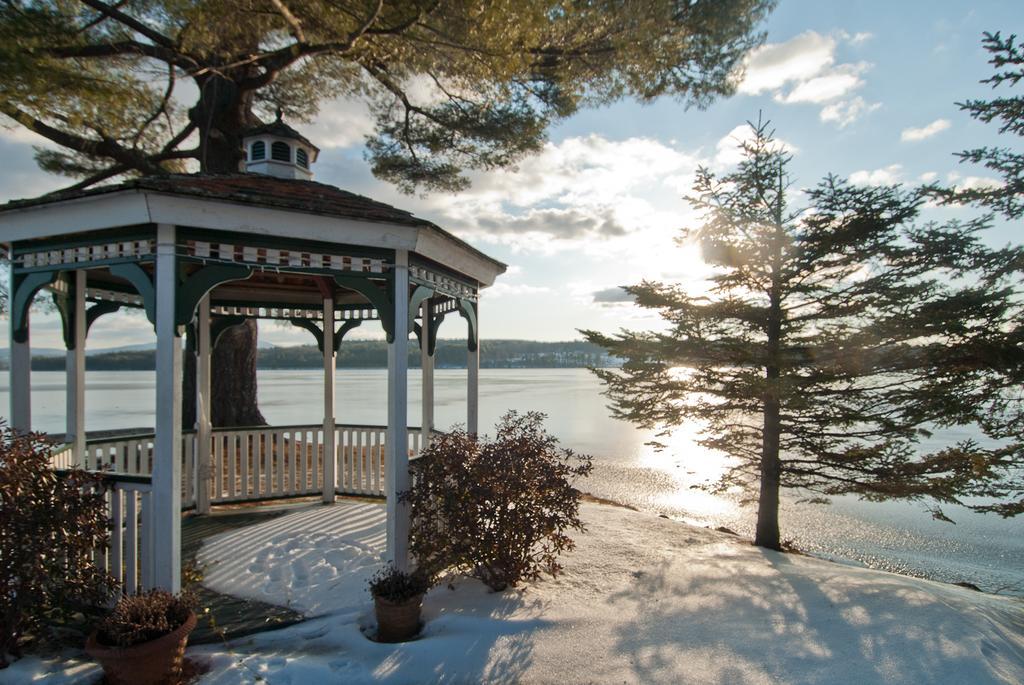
(878, 177)
(845, 112)
(341, 123)
(973, 182)
(858, 38)
(502, 289)
(579, 193)
(833, 84)
(916, 134)
(729, 147)
(775, 65)
(804, 70)
(928, 176)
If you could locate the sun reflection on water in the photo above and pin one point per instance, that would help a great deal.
(690, 466)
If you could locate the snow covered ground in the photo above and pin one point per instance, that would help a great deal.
(642, 600)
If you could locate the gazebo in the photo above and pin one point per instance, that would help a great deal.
(209, 252)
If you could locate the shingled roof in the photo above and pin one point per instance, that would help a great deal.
(252, 189)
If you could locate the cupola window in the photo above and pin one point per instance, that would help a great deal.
(301, 158)
(259, 150)
(280, 152)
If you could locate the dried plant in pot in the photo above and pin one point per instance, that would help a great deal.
(142, 641)
(397, 602)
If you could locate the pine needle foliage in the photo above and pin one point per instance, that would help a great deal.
(144, 87)
(831, 339)
(1006, 197)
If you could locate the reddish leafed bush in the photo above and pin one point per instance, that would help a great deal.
(498, 509)
(50, 523)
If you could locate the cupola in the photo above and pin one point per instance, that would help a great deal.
(277, 149)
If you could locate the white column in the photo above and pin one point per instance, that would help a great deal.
(204, 426)
(473, 382)
(330, 458)
(20, 371)
(76, 372)
(166, 497)
(397, 456)
(427, 365)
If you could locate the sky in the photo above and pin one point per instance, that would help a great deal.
(865, 90)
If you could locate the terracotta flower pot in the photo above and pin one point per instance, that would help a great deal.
(157, 662)
(397, 621)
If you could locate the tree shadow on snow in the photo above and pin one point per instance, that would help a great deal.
(470, 636)
(699, 621)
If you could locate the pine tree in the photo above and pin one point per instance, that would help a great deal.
(452, 84)
(827, 343)
(1002, 491)
(1007, 57)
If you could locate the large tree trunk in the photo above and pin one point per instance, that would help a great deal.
(221, 115)
(233, 380)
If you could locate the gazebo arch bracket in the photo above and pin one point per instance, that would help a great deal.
(421, 293)
(339, 334)
(25, 288)
(143, 284)
(381, 300)
(435, 325)
(193, 288)
(467, 310)
(99, 309)
(63, 300)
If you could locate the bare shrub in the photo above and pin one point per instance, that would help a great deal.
(50, 523)
(498, 509)
(144, 617)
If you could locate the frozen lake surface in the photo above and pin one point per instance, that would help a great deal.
(985, 550)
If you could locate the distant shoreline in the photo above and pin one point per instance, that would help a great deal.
(371, 354)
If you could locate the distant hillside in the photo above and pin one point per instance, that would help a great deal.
(373, 354)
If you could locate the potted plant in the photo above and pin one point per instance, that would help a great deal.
(397, 601)
(142, 641)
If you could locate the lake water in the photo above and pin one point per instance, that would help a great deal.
(982, 549)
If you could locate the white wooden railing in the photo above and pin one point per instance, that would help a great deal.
(263, 462)
(62, 456)
(246, 464)
(130, 557)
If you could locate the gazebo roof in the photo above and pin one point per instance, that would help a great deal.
(265, 193)
(252, 189)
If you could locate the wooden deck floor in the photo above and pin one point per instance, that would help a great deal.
(229, 617)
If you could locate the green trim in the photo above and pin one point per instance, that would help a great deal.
(192, 290)
(420, 294)
(288, 244)
(467, 310)
(97, 310)
(382, 300)
(461, 278)
(90, 264)
(25, 288)
(435, 324)
(309, 325)
(339, 335)
(101, 237)
(137, 276)
(343, 330)
(65, 305)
